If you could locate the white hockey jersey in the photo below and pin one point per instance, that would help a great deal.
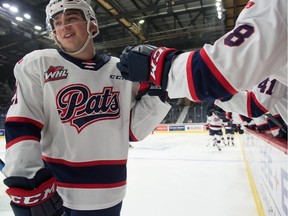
(254, 50)
(75, 118)
(214, 122)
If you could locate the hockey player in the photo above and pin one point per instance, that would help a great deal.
(228, 127)
(215, 125)
(269, 95)
(263, 97)
(70, 121)
(237, 61)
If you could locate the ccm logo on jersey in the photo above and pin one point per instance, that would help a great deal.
(55, 73)
(117, 77)
(32, 197)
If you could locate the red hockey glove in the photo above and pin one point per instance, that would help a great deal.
(36, 196)
(147, 63)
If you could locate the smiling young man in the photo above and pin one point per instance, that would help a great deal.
(70, 122)
(73, 33)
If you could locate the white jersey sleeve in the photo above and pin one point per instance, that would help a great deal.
(146, 115)
(254, 50)
(281, 108)
(255, 103)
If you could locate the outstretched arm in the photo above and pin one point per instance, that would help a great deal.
(237, 61)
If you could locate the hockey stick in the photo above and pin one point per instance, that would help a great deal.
(275, 121)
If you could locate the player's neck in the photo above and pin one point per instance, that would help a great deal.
(87, 54)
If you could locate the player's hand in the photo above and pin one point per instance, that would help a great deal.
(147, 63)
(36, 196)
(134, 63)
(148, 88)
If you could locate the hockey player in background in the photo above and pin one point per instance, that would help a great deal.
(229, 128)
(214, 124)
(227, 123)
(237, 61)
(268, 96)
(70, 122)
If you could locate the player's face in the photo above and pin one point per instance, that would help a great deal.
(70, 29)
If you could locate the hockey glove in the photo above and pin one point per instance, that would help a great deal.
(206, 126)
(241, 131)
(36, 196)
(147, 63)
(148, 88)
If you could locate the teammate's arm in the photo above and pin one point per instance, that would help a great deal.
(235, 62)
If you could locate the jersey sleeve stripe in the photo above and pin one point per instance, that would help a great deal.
(19, 139)
(204, 85)
(20, 131)
(259, 105)
(132, 137)
(217, 73)
(25, 120)
(249, 112)
(255, 107)
(191, 86)
(91, 186)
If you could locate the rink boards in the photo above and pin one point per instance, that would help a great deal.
(180, 128)
(266, 161)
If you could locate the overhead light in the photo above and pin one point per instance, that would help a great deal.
(219, 15)
(19, 19)
(27, 16)
(13, 9)
(219, 8)
(141, 21)
(6, 5)
(37, 27)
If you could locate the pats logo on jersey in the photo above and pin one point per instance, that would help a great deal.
(80, 107)
(55, 73)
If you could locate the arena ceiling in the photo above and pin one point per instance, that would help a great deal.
(183, 24)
